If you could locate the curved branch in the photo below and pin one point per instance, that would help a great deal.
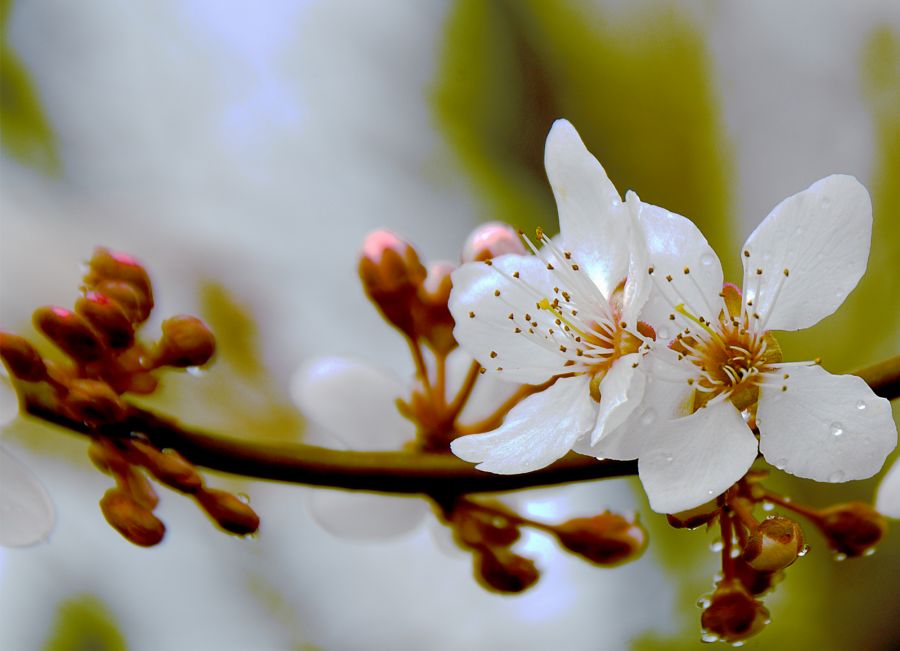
(386, 472)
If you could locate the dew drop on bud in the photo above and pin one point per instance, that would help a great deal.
(716, 546)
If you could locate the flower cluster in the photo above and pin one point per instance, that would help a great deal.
(647, 354)
(451, 395)
(107, 360)
(652, 357)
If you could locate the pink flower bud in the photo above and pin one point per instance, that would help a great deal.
(110, 265)
(70, 332)
(490, 241)
(392, 275)
(107, 318)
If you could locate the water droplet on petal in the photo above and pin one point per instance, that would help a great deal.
(861, 405)
(707, 259)
(648, 417)
(662, 333)
(836, 429)
(836, 476)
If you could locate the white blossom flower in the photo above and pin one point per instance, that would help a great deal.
(26, 512)
(722, 362)
(567, 315)
(888, 499)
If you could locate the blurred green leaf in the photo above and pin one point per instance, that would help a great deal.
(83, 623)
(25, 132)
(639, 92)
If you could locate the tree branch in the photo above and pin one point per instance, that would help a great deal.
(385, 472)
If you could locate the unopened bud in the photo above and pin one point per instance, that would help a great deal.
(169, 467)
(107, 318)
(140, 488)
(132, 300)
(733, 614)
(94, 402)
(228, 511)
(20, 357)
(501, 570)
(696, 517)
(391, 275)
(70, 332)
(106, 456)
(852, 529)
(130, 519)
(775, 544)
(186, 341)
(605, 539)
(110, 265)
(490, 241)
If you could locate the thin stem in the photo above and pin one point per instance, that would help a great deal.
(440, 388)
(744, 514)
(727, 560)
(805, 511)
(462, 397)
(421, 369)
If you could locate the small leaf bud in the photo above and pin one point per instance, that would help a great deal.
(186, 341)
(107, 318)
(130, 519)
(853, 528)
(499, 569)
(775, 544)
(230, 513)
(391, 275)
(606, 539)
(21, 358)
(70, 332)
(733, 614)
(491, 240)
(94, 402)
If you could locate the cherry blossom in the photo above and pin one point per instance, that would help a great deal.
(722, 371)
(566, 316)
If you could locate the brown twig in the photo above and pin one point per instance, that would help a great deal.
(386, 472)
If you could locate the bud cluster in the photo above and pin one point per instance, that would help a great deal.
(755, 552)
(107, 360)
(489, 530)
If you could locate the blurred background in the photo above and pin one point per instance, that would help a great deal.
(243, 150)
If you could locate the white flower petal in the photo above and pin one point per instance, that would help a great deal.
(365, 516)
(661, 401)
(538, 431)
(888, 500)
(674, 244)
(27, 515)
(593, 221)
(638, 283)
(354, 401)
(522, 356)
(824, 427)
(688, 461)
(820, 235)
(621, 391)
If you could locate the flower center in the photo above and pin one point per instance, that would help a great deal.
(731, 358)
